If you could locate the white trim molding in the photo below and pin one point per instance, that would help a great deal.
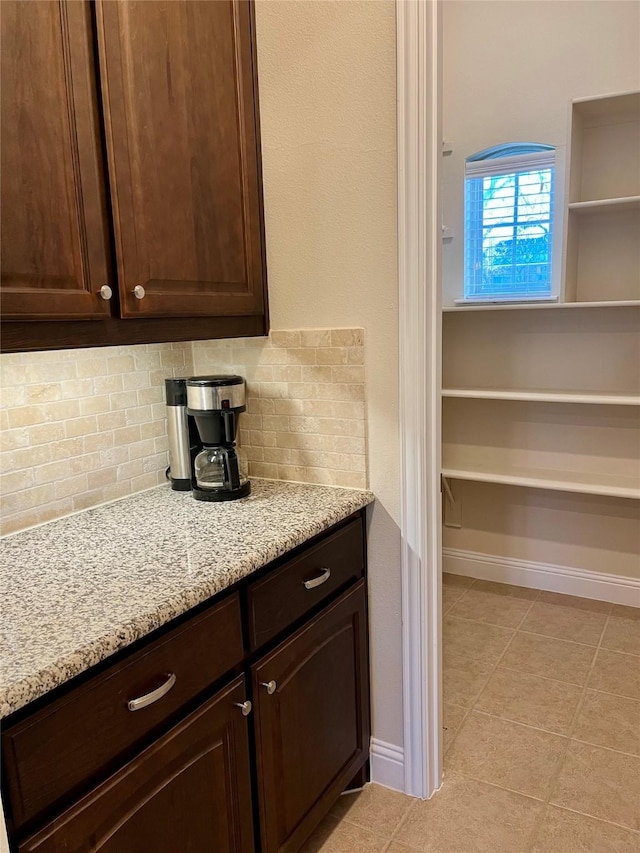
(387, 764)
(617, 589)
(419, 248)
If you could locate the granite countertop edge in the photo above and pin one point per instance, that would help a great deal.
(19, 693)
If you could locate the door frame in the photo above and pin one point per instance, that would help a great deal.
(419, 139)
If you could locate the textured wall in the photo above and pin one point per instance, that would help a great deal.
(305, 417)
(328, 112)
(80, 427)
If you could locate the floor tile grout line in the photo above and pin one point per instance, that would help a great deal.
(606, 748)
(574, 642)
(504, 652)
(588, 678)
(553, 782)
(608, 693)
(564, 735)
(519, 723)
(404, 818)
(499, 787)
(532, 633)
(489, 677)
(467, 711)
(547, 677)
(462, 595)
(344, 818)
(598, 819)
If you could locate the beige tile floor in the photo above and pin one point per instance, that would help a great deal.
(541, 734)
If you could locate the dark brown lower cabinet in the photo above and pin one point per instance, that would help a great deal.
(190, 792)
(85, 772)
(312, 720)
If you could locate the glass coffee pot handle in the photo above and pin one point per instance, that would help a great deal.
(232, 473)
(229, 426)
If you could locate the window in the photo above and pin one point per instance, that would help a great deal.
(508, 207)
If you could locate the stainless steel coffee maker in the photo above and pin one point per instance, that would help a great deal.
(202, 424)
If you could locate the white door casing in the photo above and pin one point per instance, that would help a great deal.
(419, 263)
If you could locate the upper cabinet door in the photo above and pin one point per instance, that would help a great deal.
(54, 232)
(180, 101)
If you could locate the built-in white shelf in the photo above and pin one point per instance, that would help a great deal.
(602, 205)
(543, 396)
(535, 478)
(530, 306)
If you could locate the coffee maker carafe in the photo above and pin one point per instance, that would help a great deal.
(217, 468)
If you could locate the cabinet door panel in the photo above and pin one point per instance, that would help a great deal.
(54, 237)
(312, 733)
(189, 792)
(181, 122)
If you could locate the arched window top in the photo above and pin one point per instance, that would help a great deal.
(509, 149)
(508, 232)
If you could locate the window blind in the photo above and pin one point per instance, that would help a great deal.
(509, 225)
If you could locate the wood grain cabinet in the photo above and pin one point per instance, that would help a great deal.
(229, 747)
(163, 219)
(312, 721)
(189, 791)
(54, 227)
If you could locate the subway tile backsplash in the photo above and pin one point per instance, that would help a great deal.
(305, 417)
(80, 427)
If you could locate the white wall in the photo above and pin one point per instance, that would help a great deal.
(327, 106)
(510, 70)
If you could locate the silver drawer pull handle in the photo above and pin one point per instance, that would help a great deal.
(245, 707)
(150, 698)
(270, 686)
(322, 578)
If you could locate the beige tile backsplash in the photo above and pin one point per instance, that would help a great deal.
(305, 417)
(80, 427)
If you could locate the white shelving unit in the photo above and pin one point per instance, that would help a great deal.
(550, 479)
(540, 400)
(602, 221)
(559, 444)
(585, 208)
(543, 396)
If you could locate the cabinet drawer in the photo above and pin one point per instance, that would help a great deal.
(181, 793)
(91, 730)
(288, 593)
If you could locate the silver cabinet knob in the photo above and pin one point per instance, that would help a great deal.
(269, 686)
(139, 291)
(245, 707)
(106, 292)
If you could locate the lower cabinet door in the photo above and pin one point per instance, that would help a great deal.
(312, 720)
(190, 792)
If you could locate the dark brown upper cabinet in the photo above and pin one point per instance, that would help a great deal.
(158, 233)
(177, 85)
(54, 232)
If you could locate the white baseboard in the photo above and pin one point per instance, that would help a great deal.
(387, 764)
(614, 588)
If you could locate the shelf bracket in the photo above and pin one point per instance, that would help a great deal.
(452, 510)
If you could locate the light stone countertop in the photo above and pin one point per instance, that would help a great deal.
(76, 590)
